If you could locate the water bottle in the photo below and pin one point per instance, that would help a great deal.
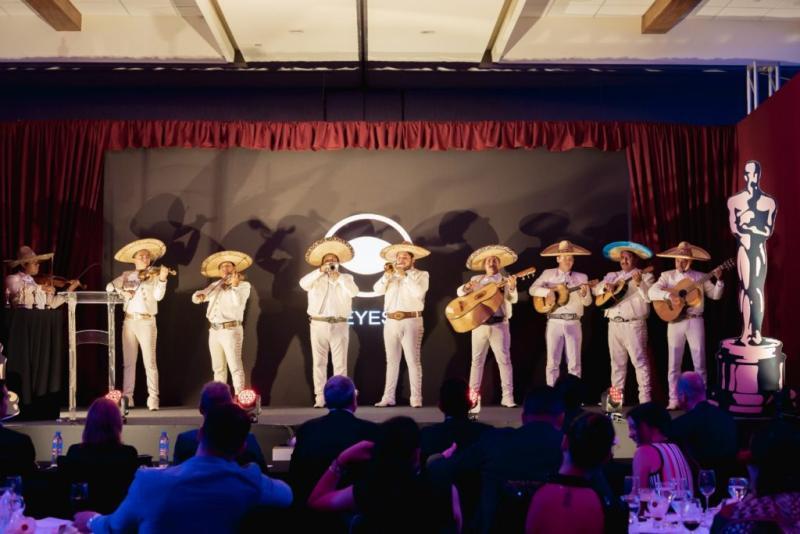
(163, 450)
(58, 447)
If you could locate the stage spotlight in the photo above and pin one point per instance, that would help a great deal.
(612, 400)
(250, 401)
(121, 401)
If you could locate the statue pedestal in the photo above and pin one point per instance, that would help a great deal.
(748, 375)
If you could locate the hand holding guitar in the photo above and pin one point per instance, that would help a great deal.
(584, 290)
(550, 299)
(636, 278)
(469, 287)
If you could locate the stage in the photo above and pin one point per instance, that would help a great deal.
(274, 429)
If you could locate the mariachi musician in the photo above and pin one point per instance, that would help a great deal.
(226, 298)
(563, 332)
(141, 289)
(494, 332)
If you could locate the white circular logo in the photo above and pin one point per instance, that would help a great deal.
(367, 258)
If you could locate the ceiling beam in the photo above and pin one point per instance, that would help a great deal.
(61, 15)
(664, 15)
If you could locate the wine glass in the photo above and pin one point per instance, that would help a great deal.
(691, 513)
(658, 509)
(631, 497)
(707, 483)
(78, 495)
(737, 488)
(682, 493)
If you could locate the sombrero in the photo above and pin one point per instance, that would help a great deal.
(686, 251)
(390, 253)
(155, 247)
(329, 245)
(504, 254)
(564, 248)
(614, 250)
(210, 266)
(25, 254)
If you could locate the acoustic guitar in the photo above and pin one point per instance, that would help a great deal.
(470, 311)
(689, 292)
(562, 296)
(615, 293)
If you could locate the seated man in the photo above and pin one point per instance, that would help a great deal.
(568, 502)
(216, 394)
(207, 493)
(320, 440)
(17, 455)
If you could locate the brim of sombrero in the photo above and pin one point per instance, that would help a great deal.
(504, 254)
(574, 250)
(694, 253)
(390, 253)
(329, 245)
(155, 246)
(210, 266)
(38, 257)
(613, 251)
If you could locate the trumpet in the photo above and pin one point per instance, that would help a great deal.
(228, 280)
(388, 268)
(153, 270)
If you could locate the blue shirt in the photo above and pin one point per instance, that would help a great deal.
(203, 494)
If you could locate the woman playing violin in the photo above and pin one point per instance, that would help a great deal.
(24, 288)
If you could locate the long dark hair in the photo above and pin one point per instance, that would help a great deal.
(103, 423)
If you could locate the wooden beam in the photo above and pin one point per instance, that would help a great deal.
(664, 15)
(60, 14)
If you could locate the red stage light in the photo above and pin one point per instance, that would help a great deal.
(114, 395)
(246, 398)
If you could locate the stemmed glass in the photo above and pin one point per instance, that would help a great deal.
(659, 504)
(707, 483)
(737, 487)
(631, 497)
(691, 513)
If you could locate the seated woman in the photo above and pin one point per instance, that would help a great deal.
(775, 474)
(394, 496)
(569, 501)
(656, 459)
(102, 460)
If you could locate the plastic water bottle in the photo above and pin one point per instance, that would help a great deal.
(58, 447)
(163, 450)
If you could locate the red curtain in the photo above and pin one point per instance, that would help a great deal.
(51, 172)
(771, 135)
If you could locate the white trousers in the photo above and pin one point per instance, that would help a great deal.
(498, 337)
(328, 336)
(562, 336)
(678, 333)
(139, 333)
(225, 345)
(629, 340)
(400, 337)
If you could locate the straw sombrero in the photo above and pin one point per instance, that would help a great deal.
(155, 247)
(25, 254)
(504, 254)
(210, 265)
(390, 253)
(613, 251)
(564, 248)
(329, 245)
(686, 251)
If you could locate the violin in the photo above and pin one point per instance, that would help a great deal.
(153, 271)
(56, 282)
(228, 280)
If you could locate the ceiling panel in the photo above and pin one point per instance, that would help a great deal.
(430, 30)
(296, 30)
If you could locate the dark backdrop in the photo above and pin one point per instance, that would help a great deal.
(273, 204)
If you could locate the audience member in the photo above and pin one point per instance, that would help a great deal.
(394, 497)
(207, 493)
(319, 441)
(573, 391)
(17, 455)
(569, 501)
(101, 459)
(511, 462)
(656, 459)
(455, 403)
(775, 476)
(216, 394)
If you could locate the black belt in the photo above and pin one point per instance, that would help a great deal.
(494, 319)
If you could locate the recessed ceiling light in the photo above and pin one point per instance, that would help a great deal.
(297, 31)
(427, 32)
